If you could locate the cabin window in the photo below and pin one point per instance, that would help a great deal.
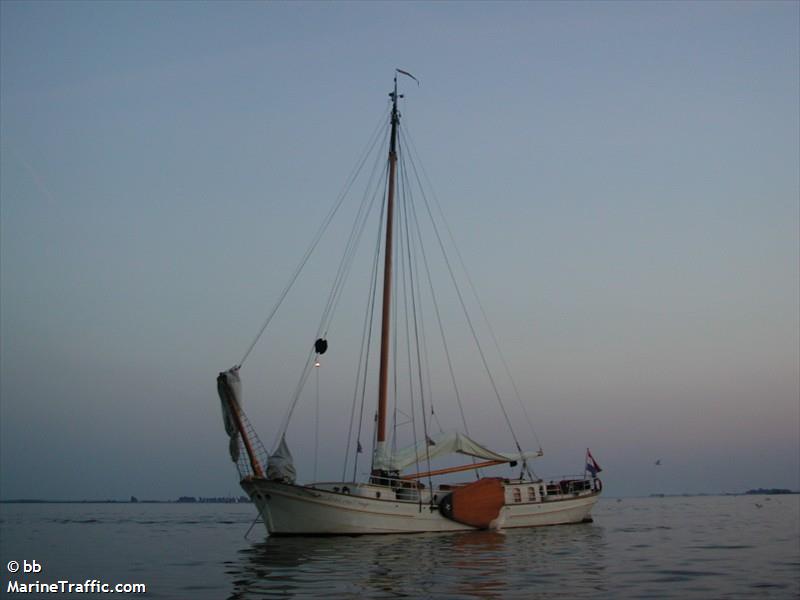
(517, 495)
(541, 491)
(531, 494)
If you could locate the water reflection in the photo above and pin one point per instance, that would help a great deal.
(482, 564)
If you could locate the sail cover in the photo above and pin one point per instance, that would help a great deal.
(453, 442)
(229, 387)
(280, 466)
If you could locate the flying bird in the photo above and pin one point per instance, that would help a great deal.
(658, 462)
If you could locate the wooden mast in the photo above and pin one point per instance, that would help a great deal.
(383, 384)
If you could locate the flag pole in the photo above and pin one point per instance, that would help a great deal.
(585, 463)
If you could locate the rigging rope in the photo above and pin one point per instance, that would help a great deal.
(318, 235)
(432, 290)
(363, 359)
(295, 397)
(362, 216)
(400, 275)
(413, 288)
(316, 423)
(439, 321)
(364, 210)
(395, 355)
(466, 313)
(409, 247)
(417, 248)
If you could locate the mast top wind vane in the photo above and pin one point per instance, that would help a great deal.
(407, 74)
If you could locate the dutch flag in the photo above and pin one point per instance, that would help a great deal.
(591, 464)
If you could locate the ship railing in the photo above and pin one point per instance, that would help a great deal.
(568, 485)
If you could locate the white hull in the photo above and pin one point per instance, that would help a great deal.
(305, 510)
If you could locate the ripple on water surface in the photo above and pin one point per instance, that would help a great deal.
(709, 547)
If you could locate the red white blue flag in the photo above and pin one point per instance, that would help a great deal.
(591, 464)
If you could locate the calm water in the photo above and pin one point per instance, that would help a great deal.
(711, 547)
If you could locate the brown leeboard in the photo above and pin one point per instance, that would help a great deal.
(476, 504)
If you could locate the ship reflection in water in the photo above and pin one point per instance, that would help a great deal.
(480, 564)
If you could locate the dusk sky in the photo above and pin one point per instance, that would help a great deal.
(623, 180)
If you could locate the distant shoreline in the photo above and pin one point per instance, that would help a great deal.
(755, 492)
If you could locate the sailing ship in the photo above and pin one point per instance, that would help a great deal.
(389, 498)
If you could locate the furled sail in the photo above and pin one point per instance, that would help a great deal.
(453, 442)
(280, 465)
(229, 387)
